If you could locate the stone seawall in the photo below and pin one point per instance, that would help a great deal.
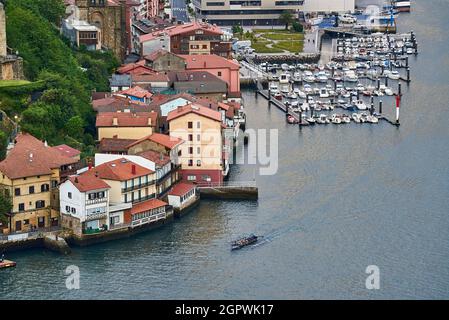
(230, 193)
(92, 239)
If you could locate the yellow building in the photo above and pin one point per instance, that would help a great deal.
(30, 175)
(126, 125)
(201, 155)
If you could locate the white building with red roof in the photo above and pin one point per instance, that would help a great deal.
(84, 202)
(183, 195)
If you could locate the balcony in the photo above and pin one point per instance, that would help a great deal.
(139, 186)
(96, 201)
(148, 197)
(96, 216)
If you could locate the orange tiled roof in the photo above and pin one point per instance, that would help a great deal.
(118, 170)
(195, 108)
(86, 182)
(126, 119)
(162, 139)
(193, 26)
(181, 189)
(67, 150)
(31, 157)
(208, 61)
(136, 91)
(158, 158)
(147, 205)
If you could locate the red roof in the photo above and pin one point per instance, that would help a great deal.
(195, 108)
(154, 77)
(156, 54)
(162, 139)
(126, 119)
(114, 145)
(67, 151)
(209, 61)
(86, 182)
(181, 189)
(158, 158)
(147, 205)
(135, 68)
(32, 157)
(118, 170)
(193, 26)
(136, 92)
(150, 36)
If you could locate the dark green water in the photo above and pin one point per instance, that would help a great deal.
(344, 197)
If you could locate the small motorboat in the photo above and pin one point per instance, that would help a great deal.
(388, 92)
(7, 264)
(278, 96)
(372, 119)
(356, 117)
(243, 242)
(394, 75)
(336, 120)
(360, 105)
(345, 119)
(311, 120)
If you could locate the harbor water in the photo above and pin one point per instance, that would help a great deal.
(344, 197)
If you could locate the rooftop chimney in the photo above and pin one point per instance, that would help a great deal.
(76, 179)
(133, 169)
(115, 121)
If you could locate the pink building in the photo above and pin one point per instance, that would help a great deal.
(225, 69)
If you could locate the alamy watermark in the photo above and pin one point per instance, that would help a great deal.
(373, 280)
(209, 146)
(72, 282)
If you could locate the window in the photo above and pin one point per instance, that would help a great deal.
(67, 209)
(73, 210)
(179, 153)
(191, 178)
(205, 177)
(190, 150)
(198, 150)
(204, 46)
(219, 73)
(26, 222)
(198, 124)
(21, 206)
(69, 195)
(198, 163)
(190, 124)
(198, 137)
(17, 191)
(31, 189)
(190, 137)
(190, 162)
(45, 187)
(40, 204)
(54, 183)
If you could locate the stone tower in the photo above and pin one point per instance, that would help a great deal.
(2, 31)
(11, 66)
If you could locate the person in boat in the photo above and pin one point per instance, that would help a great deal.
(2, 258)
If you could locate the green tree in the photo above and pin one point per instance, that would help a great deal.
(286, 18)
(74, 127)
(297, 27)
(3, 145)
(52, 10)
(5, 207)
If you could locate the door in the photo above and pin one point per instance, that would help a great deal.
(18, 225)
(41, 222)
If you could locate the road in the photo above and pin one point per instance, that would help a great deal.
(179, 10)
